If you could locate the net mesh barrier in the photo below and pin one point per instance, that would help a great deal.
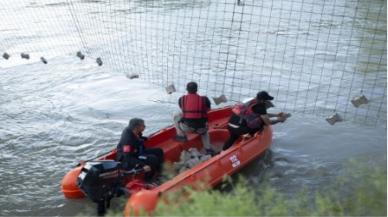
(315, 57)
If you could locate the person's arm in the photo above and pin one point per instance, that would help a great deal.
(146, 168)
(144, 138)
(133, 163)
(136, 144)
(271, 115)
(139, 144)
(280, 114)
(180, 102)
(207, 102)
(268, 121)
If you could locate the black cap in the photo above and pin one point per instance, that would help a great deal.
(192, 87)
(263, 95)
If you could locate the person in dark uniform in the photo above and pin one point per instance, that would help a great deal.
(132, 153)
(193, 117)
(251, 117)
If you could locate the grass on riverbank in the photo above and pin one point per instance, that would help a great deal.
(360, 191)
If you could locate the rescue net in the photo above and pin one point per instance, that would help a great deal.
(315, 57)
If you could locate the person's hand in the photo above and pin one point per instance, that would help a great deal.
(246, 136)
(144, 138)
(285, 115)
(257, 133)
(282, 118)
(146, 168)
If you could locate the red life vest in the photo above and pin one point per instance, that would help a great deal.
(244, 110)
(193, 106)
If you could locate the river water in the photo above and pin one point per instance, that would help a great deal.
(54, 115)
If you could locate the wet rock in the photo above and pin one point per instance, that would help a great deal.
(334, 119)
(43, 60)
(359, 100)
(6, 55)
(80, 55)
(25, 56)
(99, 61)
(189, 159)
(220, 99)
(133, 76)
(194, 153)
(205, 157)
(185, 155)
(170, 89)
(192, 162)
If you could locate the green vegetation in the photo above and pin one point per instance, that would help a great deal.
(359, 191)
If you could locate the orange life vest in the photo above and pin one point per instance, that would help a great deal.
(193, 106)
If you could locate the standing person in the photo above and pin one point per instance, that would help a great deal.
(194, 116)
(251, 117)
(132, 153)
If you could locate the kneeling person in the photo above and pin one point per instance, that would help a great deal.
(251, 117)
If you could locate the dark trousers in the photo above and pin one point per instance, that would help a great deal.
(235, 133)
(153, 158)
(156, 158)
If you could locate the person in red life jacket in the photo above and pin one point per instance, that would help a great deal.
(251, 117)
(194, 116)
(132, 153)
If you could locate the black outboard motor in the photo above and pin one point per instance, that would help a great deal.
(100, 181)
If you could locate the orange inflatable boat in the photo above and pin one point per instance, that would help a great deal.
(210, 172)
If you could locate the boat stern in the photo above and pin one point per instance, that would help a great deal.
(69, 186)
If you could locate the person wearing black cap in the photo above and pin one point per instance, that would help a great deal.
(251, 117)
(193, 117)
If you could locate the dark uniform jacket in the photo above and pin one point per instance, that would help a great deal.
(129, 157)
